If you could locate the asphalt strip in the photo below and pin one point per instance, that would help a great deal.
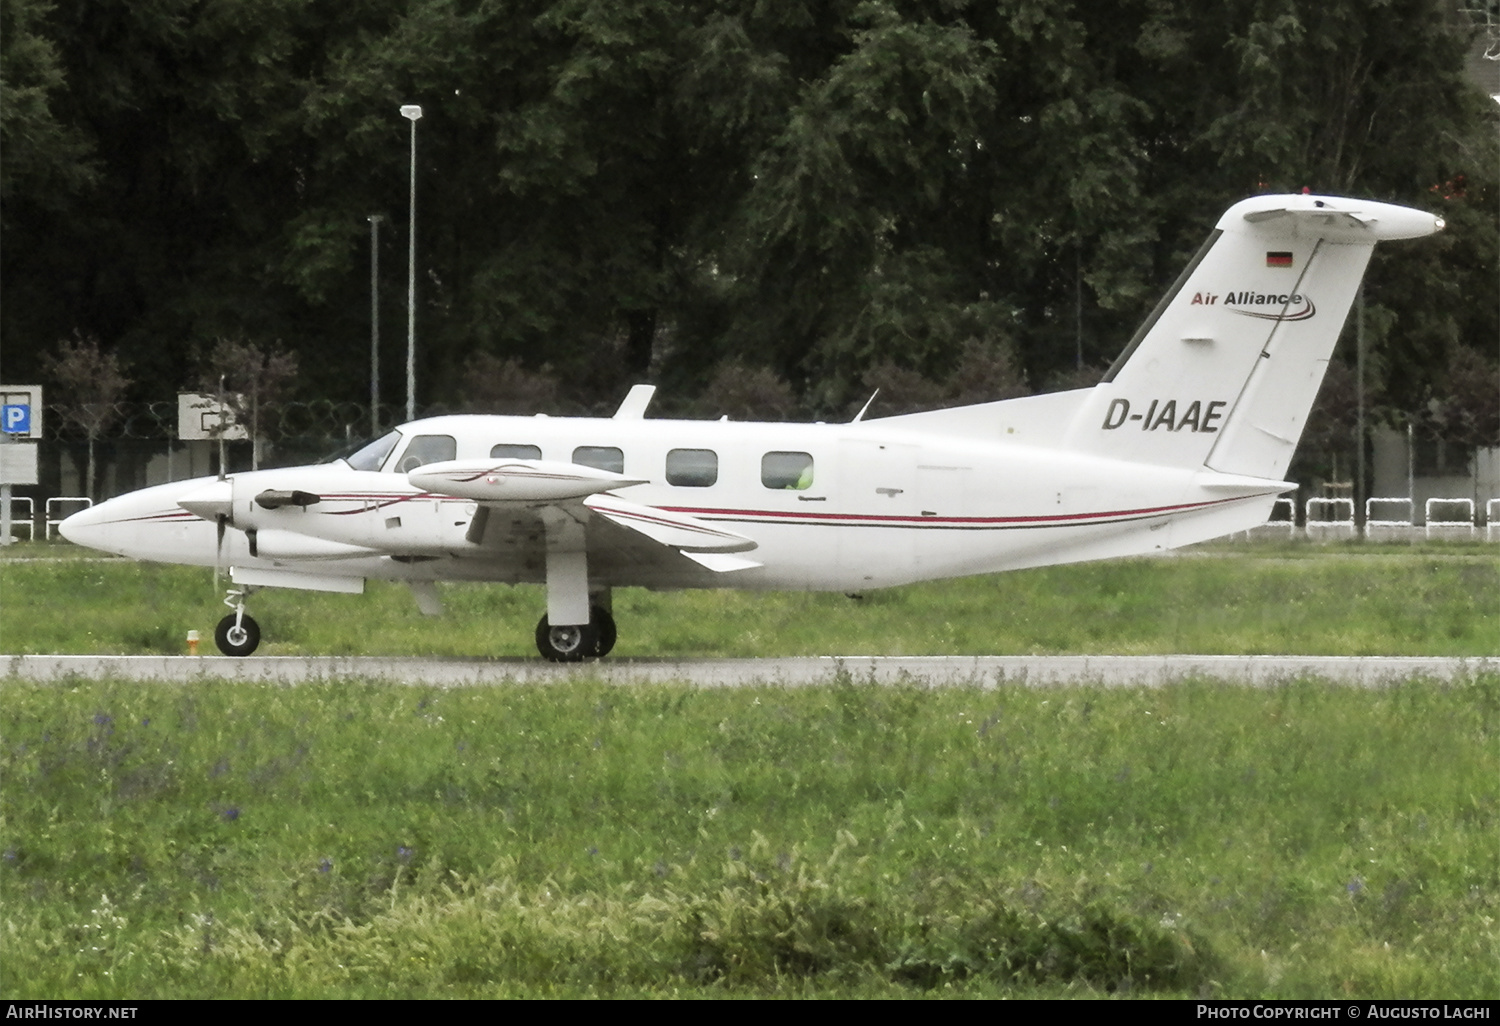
(990, 671)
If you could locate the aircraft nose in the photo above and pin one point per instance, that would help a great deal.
(83, 527)
(147, 524)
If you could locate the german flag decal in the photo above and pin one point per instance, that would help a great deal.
(1278, 260)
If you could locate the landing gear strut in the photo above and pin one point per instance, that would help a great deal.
(572, 643)
(237, 634)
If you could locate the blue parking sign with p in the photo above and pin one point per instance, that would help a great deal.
(16, 420)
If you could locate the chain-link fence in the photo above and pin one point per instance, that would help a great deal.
(319, 418)
(139, 445)
(140, 448)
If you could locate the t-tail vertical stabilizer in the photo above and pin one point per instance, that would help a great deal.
(1224, 371)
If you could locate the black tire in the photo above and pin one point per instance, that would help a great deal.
(237, 642)
(565, 644)
(604, 631)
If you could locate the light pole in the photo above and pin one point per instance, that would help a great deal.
(375, 220)
(412, 112)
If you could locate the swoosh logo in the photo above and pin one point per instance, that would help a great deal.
(1307, 312)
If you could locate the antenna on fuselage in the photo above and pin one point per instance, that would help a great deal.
(865, 408)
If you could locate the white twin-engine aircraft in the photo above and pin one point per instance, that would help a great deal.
(1187, 438)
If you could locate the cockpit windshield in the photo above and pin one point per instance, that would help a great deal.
(368, 455)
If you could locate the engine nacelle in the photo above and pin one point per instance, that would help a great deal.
(516, 480)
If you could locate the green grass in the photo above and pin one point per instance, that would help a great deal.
(1288, 599)
(351, 840)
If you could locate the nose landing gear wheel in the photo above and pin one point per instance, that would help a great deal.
(566, 644)
(237, 639)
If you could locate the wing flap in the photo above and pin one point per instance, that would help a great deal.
(675, 530)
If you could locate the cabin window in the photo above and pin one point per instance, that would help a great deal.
(515, 452)
(600, 457)
(692, 468)
(425, 449)
(793, 470)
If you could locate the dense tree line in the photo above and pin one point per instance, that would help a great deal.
(806, 198)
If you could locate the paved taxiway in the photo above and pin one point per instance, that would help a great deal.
(1364, 671)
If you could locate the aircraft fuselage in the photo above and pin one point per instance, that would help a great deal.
(878, 508)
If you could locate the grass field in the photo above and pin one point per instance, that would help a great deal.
(1294, 599)
(353, 840)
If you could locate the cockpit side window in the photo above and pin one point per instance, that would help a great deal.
(425, 449)
(371, 455)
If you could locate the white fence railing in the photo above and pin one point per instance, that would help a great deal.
(1282, 523)
(1384, 520)
(1375, 505)
(60, 507)
(1329, 517)
(1449, 526)
(18, 521)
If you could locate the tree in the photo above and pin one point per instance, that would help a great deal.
(1333, 426)
(743, 392)
(493, 385)
(90, 385)
(252, 381)
(1466, 412)
(622, 189)
(45, 157)
(984, 373)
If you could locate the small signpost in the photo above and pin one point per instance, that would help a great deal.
(207, 419)
(203, 418)
(20, 429)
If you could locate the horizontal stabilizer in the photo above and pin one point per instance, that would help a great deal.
(516, 480)
(1242, 484)
(677, 530)
(1337, 219)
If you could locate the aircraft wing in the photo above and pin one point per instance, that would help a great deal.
(515, 493)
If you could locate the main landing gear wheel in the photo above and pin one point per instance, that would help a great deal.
(604, 628)
(237, 634)
(567, 644)
(572, 643)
